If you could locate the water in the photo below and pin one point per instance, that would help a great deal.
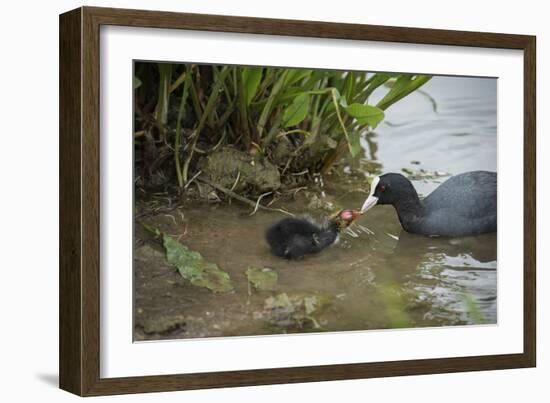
(377, 276)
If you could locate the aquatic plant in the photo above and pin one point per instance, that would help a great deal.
(299, 121)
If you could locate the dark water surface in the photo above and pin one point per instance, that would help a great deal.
(377, 276)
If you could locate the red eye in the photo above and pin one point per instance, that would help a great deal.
(382, 188)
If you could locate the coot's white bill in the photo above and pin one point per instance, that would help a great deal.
(371, 200)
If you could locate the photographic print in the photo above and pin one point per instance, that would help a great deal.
(273, 200)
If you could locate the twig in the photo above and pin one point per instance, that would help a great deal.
(192, 179)
(172, 217)
(287, 165)
(298, 189)
(241, 198)
(258, 202)
(305, 171)
(236, 181)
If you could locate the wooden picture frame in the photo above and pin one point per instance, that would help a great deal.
(79, 346)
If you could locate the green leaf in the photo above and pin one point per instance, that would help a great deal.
(374, 82)
(390, 83)
(296, 310)
(399, 85)
(266, 110)
(343, 102)
(295, 75)
(354, 143)
(296, 111)
(365, 114)
(165, 78)
(194, 268)
(403, 86)
(262, 279)
(289, 94)
(136, 82)
(251, 77)
(349, 86)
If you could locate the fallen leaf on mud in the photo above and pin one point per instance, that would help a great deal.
(295, 311)
(193, 267)
(263, 279)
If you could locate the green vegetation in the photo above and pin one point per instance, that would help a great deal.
(296, 311)
(263, 279)
(472, 308)
(291, 123)
(193, 267)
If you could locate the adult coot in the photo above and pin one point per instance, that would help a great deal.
(465, 204)
(293, 238)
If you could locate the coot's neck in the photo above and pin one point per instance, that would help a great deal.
(409, 209)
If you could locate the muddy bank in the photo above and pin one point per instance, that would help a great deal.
(372, 279)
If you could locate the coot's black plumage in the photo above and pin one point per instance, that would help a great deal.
(292, 238)
(465, 204)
